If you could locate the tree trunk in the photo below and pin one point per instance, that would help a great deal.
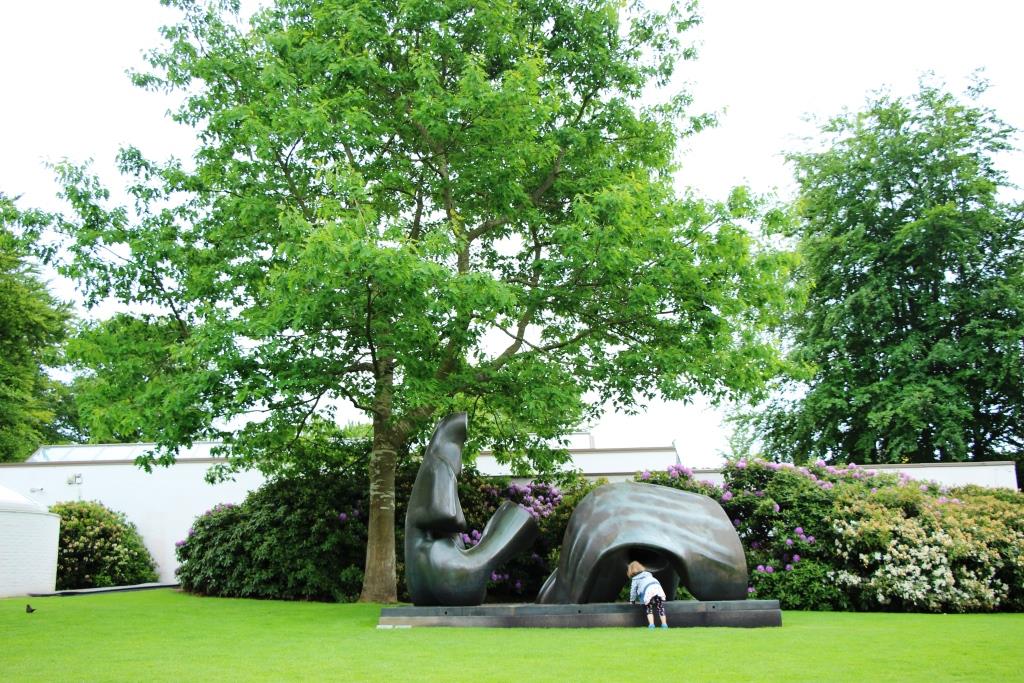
(380, 583)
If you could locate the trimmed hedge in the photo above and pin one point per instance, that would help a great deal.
(98, 548)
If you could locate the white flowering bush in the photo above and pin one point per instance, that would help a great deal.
(917, 570)
(917, 548)
(98, 548)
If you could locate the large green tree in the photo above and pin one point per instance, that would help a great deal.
(33, 325)
(416, 207)
(913, 331)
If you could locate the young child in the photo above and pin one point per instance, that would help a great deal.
(646, 590)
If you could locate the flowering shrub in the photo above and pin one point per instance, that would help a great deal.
(551, 505)
(816, 537)
(303, 536)
(847, 537)
(99, 547)
(913, 550)
(295, 538)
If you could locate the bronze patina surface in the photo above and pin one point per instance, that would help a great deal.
(678, 536)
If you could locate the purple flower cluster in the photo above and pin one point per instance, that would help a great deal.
(799, 531)
(470, 539)
(851, 471)
(676, 471)
(539, 499)
(769, 569)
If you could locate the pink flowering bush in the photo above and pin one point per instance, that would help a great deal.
(846, 537)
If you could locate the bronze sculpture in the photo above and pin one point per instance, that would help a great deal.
(439, 569)
(677, 535)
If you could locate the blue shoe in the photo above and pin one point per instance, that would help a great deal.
(664, 625)
(650, 625)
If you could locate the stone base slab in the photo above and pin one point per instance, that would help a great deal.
(680, 613)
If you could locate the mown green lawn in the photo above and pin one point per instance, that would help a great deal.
(167, 635)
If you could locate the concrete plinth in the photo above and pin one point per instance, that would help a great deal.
(680, 613)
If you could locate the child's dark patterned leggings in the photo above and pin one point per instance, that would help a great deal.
(655, 606)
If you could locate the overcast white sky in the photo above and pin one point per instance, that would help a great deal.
(766, 64)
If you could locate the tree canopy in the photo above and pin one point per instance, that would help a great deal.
(33, 325)
(913, 332)
(416, 207)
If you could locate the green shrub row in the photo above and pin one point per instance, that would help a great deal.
(817, 537)
(302, 536)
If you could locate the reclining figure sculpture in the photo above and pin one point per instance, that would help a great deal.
(678, 536)
(439, 569)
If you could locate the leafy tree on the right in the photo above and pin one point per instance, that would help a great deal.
(912, 337)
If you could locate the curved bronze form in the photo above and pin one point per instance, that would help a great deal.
(675, 534)
(439, 569)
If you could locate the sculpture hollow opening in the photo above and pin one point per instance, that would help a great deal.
(652, 560)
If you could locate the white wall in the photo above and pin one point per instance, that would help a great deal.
(624, 463)
(608, 462)
(161, 504)
(1000, 474)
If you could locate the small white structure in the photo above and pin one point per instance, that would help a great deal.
(28, 545)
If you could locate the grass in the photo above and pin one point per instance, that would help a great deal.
(168, 635)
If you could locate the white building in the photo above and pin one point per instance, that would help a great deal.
(28, 545)
(163, 504)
